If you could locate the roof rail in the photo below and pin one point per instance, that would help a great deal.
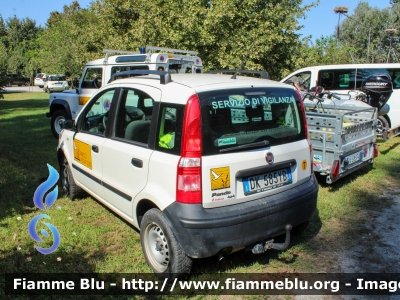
(109, 51)
(263, 74)
(150, 48)
(165, 77)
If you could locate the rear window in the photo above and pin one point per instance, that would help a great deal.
(57, 78)
(242, 119)
(40, 75)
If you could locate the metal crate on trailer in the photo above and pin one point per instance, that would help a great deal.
(342, 137)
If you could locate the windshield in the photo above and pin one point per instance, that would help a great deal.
(234, 120)
(178, 66)
(56, 78)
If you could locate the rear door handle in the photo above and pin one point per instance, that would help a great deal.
(95, 148)
(137, 162)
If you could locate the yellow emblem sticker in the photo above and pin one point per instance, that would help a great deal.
(82, 153)
(304, 164)
(220, 178)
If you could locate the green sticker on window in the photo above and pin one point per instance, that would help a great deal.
(227, 141)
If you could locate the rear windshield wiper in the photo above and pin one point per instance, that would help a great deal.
(250, 145)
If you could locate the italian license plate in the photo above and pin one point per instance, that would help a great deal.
(267, 181)
(352, 158)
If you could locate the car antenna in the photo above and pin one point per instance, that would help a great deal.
(237, 71)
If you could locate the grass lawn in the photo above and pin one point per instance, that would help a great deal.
(93, 239)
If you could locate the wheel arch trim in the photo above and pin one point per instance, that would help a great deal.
(57, 103)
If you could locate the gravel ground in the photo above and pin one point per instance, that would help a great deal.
(376, 252)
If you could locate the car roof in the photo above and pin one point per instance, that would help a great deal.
(186, 85)
(201, 81)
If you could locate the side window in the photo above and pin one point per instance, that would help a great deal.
(168, 130)
(337, 79)
(117, 69)
(396, 80)
(93, 78)
(166, 134)
(394, 74)
(134, 117)
(96, 114)
(300, 80)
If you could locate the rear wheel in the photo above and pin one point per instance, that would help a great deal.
(67, 181)
(57, 118)
(162, 251)
(383, 125)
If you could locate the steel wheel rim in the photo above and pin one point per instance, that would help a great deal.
(380, 127)
(57, 123)
(156, 247)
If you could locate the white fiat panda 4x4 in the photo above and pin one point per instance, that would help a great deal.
(201, 164)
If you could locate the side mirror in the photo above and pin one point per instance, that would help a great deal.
(75, 82)
(67, 124)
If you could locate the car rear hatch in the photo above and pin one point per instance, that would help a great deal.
(254, 144)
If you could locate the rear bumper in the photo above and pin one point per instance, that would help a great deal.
(204, 232)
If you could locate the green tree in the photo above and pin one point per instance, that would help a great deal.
(366, 31)
(69, 41)
(19, 41)
(3, 66)
(259, 33)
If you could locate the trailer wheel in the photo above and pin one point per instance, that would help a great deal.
(383, 125)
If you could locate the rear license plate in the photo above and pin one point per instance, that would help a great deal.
(352, 158)
(267, 181)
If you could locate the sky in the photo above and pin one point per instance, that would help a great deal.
(320, 21)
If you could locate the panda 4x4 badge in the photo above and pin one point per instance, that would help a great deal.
(220, 178)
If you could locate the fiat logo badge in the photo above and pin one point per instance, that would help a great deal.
(269, 158)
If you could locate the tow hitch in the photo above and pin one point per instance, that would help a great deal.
(264, 246)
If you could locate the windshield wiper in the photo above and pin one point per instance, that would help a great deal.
(251, 145)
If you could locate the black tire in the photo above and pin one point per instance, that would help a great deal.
(161, 250)
(383, 125)
(55, 122)
(41, 86)
(69, 187)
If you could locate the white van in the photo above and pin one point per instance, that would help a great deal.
(344, 78)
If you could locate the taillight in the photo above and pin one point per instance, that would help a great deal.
(335, 169)
(188, 183)
(303, 112)
(311, 157)
(375, 150)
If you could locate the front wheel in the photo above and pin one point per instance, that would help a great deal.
(162, 251)
(57, 118)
